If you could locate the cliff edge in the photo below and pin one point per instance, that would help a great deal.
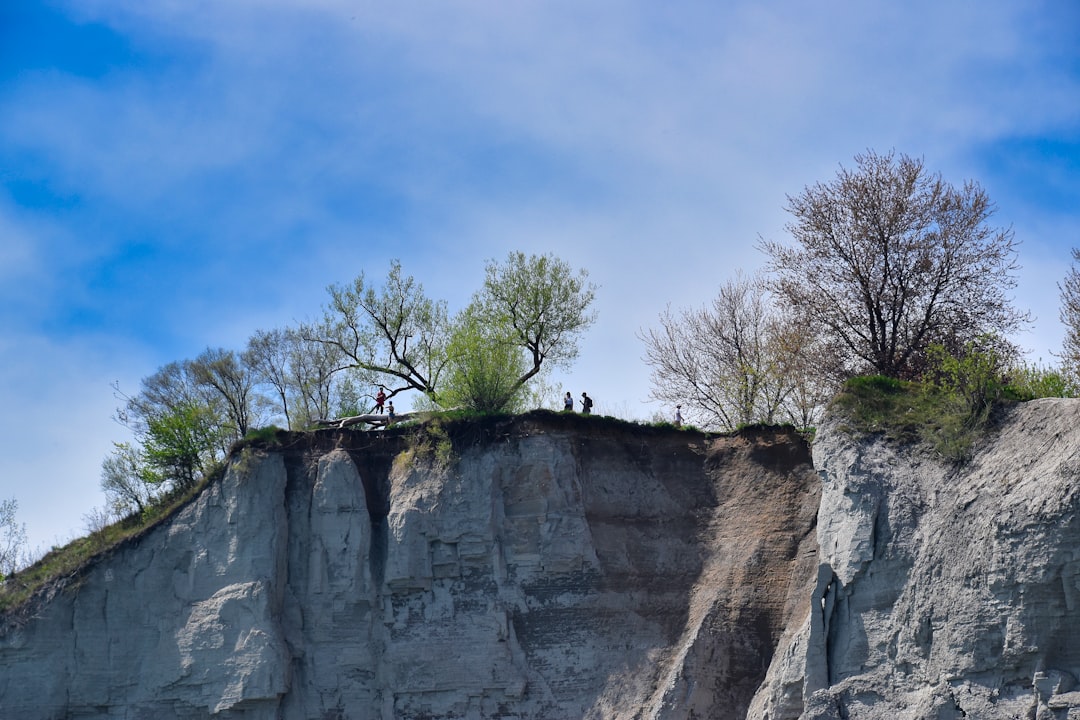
(943, 592)
(546, 566)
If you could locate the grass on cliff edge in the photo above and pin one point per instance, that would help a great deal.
(68, 560)
(922, 413)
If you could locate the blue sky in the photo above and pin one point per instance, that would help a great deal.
(176, 175)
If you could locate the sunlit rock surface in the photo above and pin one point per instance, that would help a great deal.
(943, 592)
(548, 567)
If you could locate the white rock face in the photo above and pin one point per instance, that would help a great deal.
(943, 592)
(553, 569)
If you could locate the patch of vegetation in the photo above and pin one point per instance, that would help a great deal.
(908, 412)
(429, 445)
(67, 561)
(952, 405)
(264, 436)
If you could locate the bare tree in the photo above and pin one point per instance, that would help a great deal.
(889, 259)
(267, 355)
(731, 363)
(13, 553)
(316, 368)
(223, 372)
(125, 481)
(1070, 316)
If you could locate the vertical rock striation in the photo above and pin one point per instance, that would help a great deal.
(548, 567)
(943, 592)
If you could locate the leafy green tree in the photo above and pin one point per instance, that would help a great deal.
(127, 481)
(538, 303)
(179, 447)
(889, 259)
(393, 332)
(483, 368)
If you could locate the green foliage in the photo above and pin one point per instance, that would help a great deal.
(264, 436)
(179, 446)
(484, 368)
(539, 303)
(947, 410)
(907, 411)
(1030, 381)
(974, 376)
(430, 447)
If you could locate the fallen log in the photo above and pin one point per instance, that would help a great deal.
(375, 419)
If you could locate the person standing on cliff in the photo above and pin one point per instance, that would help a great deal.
(678, 416)
(390, 414)
(379, 400)
(586, 404)
(568, 403)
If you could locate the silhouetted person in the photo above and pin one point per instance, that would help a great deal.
(586, 404)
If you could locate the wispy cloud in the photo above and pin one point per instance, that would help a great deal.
(176, 175)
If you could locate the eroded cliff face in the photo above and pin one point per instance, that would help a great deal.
(943, 593)
(550, 567)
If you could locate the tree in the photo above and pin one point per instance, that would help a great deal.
(12, 539)
(222, 372)
(180, 423)
(530, 312)
(539, 304)
(179, 446)
(126, 481)
(394, 332)
(483, 368)
(889, 259)
(1070, 317)
(732, 363)
(268, 355)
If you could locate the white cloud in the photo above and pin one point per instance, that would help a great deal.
(266, 149)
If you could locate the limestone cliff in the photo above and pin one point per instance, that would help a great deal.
(548, 566)
(943, 592)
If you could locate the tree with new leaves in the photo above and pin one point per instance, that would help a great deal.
(394, 332)
(223, 372)
(530, 313)
(126, 480)
(483, 367)
(889, 258)
(181, 423)
(539, 304)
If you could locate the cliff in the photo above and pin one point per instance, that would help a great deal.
(943, 592)
(554, 566)
(547, 566)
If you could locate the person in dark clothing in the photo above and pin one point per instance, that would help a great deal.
(586, 404)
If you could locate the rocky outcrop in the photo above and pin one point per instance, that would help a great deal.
(943, 592)
(546, 567)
